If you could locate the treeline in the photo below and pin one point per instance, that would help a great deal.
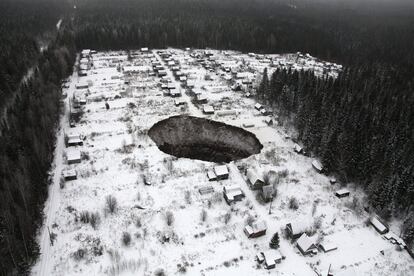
(360, 125)
(337, 33)
(25, 26)
(27, 138)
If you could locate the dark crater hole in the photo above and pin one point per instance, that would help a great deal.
(203, 139)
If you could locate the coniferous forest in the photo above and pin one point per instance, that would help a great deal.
(361, 124)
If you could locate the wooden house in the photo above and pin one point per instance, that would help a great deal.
(73, 156)
(232, 193)
(255, 182)
(342, 193)
(317, 166)
(221, 172)
(257, 229)
(306, 245)
(295, 229)
(69, 175)
(378, 225)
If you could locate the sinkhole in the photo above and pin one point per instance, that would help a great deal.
(203, 139)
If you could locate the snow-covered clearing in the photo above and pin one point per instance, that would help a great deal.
(118, 157)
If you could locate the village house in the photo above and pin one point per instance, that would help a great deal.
(342, 193)
(69, 175)
(208, 109)
(201, 98)
(258, 106)
(378, 225)
(268, 121)
(297, 148)
(211, 175)
(327, 246)
(306, 244)
(73, 156)
(317, 166)
(255, 182)
(271, 258)
(257, 229)
(295, 229)
(179, 102)
(232, 193)
(221, 172)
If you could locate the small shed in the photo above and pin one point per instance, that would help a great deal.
(327, 246)
(201, 98)
(69, 175)
(211, 175)
(332, 180)
(175, 93)
(317, 166)
(255, 182)
(73, 156)
(378, 225)
(208, 109)
(206, 190)
(257, 229)
(162, 73)
(232, 193)
(82, 85)
(271, 258)
(248, 125)
(306, 244)
(342, 193)
(179, 102)
(268, 121)
(223, 113)
(264, 112)
(258, 106)
(297, 148)
(296, 229)
(221, 172)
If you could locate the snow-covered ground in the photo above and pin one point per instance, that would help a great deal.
(118, 154)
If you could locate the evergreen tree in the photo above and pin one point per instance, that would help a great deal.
(274, 242)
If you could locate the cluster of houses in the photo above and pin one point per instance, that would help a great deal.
(73, 154)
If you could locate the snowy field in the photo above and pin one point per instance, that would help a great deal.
(172, 227)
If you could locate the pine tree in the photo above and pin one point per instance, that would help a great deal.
(274, 242)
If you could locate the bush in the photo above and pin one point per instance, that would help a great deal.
(126, 238)
(85, 217)
(94, 220)
(227, 217)
(293, 203)
(111, 204)
(79, 254)
(160, 272)
(169, 218)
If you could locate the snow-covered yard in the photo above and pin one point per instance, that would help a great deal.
(169, 225)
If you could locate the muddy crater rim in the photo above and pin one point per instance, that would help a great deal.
(203, 139)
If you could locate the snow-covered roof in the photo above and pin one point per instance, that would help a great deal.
(272, 256)
(208, 108)
(221, 170)
(73, 154)
(299, 227)
(253, 177)
(378, 224)
(317, 165)
(305, 243)
(342, 191)
(68, 173)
